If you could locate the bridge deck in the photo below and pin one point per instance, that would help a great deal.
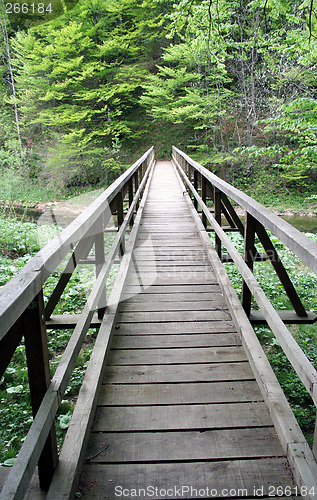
(179, 405)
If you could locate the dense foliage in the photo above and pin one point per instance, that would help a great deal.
(233, 82)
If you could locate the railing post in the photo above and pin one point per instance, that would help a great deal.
(249, 249)
(196, 187)
(136, 186)
(315, 440)
(100, 260)
(34, 330)
(120, 217)
(204, 197)
(217, 203)
(142, 173)
(130, 187)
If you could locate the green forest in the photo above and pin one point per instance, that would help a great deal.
(232, 83)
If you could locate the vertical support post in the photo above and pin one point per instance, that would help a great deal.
(217, 202)
(34, 330)
(315, 440)
(136, 187)
(196, 187)
(187, 169)
(249, 251)
(130, 188)
(204, 197)
(100, 260)
(142, 174)
(120, 217)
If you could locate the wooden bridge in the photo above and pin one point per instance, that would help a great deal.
(178, 399)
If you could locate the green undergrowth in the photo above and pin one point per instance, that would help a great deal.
(19, 241)
(305, 282)
(297, 202)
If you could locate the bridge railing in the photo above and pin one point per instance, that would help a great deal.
(24, 314)
(202, 185)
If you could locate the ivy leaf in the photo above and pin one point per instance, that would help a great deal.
(64, 420)
(15, 389)
(9, 462)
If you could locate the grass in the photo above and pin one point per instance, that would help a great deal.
(16, 189)
(295, 201)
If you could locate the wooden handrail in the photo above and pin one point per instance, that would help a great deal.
(16, 295)
(301, 245)
(303, 367)
(294, 444)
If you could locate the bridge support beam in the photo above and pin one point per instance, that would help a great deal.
(249, 255)
(280, 270)
(217, 202)
(315, 440)
(100, 260)
(120, 216)
(34, 330)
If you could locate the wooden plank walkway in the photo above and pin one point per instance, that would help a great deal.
(179, 407)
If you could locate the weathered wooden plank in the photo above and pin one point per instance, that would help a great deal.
(177, 355)
(161, 447)
(162, 316)
(160, 253)
(201, 305)
(147, 279)
(169, 236)
(189, 393)
(69, 321)
(288, 317)
(246, 478)
(180, 327)
(162, 264)
(34, 330)
(144, 374)
(173, 227)
(206, 416)
(171, 289)
(174, 297)
(182, 272)
(171, 269)
(151, 216)
(158, 341)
